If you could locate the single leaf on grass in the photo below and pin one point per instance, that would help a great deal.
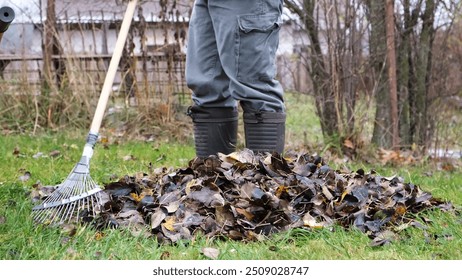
(129, 157)
(383, 238)
(38, 155)
(68, 229)
(165, 255)
(99, 235)
(54, 153)
(211, 253)
(25, 177)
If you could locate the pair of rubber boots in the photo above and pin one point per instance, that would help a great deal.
(215, 130)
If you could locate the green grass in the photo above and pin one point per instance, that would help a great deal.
(303, 127)
(21, 239)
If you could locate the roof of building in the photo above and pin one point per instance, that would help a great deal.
(100, 10)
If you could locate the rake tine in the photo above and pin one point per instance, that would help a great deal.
(41, 216)
(55, 214)
(80, 204)
(67, 213)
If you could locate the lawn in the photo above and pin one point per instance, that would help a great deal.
(48, 158)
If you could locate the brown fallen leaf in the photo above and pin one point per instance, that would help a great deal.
(157, 218)
(311, 222)
(68, 229)
(99, 235)
(211, 253)
(349, 144)
(169, 222)
(129, 157)
(54, 153)
(38, 155)
(25, 177)
(16, 151)
(245, 213)
(165, 255)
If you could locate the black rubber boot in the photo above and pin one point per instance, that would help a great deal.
(215, 130)
(265, 131)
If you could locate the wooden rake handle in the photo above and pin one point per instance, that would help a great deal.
(113, 65)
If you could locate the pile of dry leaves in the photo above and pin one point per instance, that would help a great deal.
(245, 197)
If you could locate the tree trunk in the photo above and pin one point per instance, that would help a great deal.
(352, 61)
(381, 134)
(48, 43)
(392, 83)
(54, 69)
(422, 72)
(317, 68)
(325, 98)
(404, 62)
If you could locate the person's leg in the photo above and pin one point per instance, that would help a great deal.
(247, 34)
(214, 113)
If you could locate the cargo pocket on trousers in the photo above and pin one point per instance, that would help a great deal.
(257, 42)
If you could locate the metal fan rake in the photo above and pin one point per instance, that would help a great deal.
(79, 195)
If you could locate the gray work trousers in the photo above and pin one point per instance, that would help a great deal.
(231, 54)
